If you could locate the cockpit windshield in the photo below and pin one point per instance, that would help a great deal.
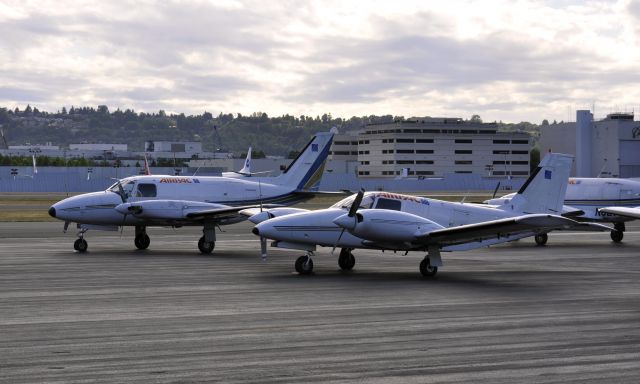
(127, 187)
(367, 202)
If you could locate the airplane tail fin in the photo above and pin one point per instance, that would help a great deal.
(305, 172)
(544, 190)
(246, 170)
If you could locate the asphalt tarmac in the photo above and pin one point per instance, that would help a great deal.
(568, 312)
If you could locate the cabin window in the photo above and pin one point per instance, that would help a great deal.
(393, 205)
(147, 190)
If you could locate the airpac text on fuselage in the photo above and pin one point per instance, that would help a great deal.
(178, 180)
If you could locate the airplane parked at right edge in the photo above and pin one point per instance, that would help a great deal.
(605, 200)
(391, 221)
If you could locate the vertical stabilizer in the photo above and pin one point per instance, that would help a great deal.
(305, 172)
(545, 189)
(246, 170)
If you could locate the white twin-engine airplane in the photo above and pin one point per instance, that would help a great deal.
(390, 221)
(176, 201)
(607, 200)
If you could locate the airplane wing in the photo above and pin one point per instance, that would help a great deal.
(224, 211)
(503, 228)
(182, 210)
(633, 212)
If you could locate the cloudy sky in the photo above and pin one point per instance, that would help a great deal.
(504, 60)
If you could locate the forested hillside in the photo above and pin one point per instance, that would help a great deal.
(224, 132)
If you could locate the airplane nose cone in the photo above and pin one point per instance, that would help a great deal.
(345, 221)
(52, 212)
(255, 231)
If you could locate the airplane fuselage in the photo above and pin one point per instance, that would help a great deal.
(318, 227)
(98, 208)
(590, 194)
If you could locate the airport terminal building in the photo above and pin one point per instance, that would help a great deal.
(433, 147)
(607, 148)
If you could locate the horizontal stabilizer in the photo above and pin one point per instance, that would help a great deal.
(633, 212)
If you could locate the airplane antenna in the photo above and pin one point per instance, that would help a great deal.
(495, 191)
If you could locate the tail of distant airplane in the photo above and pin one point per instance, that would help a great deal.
(147, 171)
(306, 170)
(246, 170)
(545, 189)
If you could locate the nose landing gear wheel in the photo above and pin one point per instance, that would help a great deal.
(205, 247)
(304, 265)
(427, 269)
(142, 241)
(541, 239)
(346, 260)
(80, 245)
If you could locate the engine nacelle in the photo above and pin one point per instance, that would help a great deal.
(273, 212)
(387, 225)
(164, 209)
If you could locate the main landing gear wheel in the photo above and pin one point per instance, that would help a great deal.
(142, 241)
(205, 247)
(427, 269)
(80, 245)
(617, 236)
(304, 265)
(541, 239)
(346, 261)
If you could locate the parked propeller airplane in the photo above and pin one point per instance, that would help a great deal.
(605, 200)
(391, 221)
(176, 201)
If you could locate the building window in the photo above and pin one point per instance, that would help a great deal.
(520, 163)
(341, 153)
(424, 161)
(463, 172)
(520, 173)
(519, 152)
(500, 141)
(405, 151)
(405, 141)
(519, 141)
(387, 151)
(463, 152)
(412, 131)
(364, 163)
(404, 162)
(464, 162)
(424, 140)
(364, 173)
(363, 152)
(424, 173)
(500, 162)
(341, 143)
(503, 152)
(424, 151)
(463, 141)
